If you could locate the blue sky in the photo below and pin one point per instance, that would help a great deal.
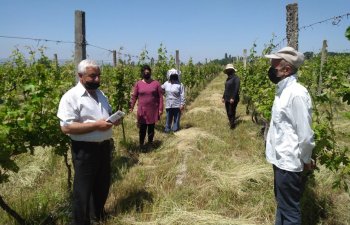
(197, 28)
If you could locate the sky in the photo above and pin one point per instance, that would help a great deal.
(199, 29)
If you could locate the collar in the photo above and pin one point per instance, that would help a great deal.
(174, 82)
(81, 89)
(285, 83)
(230, 76)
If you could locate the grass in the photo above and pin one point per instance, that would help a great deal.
(204, 174)
(38, 189)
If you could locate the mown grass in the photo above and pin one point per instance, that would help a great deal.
(204, 174)
(209, 174)
(39, 191)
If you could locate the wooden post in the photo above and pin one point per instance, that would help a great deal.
(55, 59)
(115, 58)
(292, 25)
(323, 60)
(177, 59)
(245, 58)
(80, 42)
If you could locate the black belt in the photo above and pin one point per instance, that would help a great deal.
(93, 143)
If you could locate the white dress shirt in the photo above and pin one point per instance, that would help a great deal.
(290, 141)
(77, 105)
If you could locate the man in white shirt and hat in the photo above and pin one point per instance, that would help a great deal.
(290, 139)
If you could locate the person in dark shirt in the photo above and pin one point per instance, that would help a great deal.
(231, 93)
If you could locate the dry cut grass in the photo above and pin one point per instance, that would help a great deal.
(209, 174)
(203, 174)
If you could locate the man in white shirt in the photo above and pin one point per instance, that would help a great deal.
(83, 111)
(290, 141)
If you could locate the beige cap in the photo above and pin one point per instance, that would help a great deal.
(289, 54)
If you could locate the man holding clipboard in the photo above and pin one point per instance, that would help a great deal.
(84, 114)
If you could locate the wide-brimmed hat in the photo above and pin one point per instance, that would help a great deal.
(229, 67)
(290, 55)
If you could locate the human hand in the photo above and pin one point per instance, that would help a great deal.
(160, 113)
(310, 166)
(223, 100)
(103, 125)
(131, 109)
(232, 101)
(182, 108)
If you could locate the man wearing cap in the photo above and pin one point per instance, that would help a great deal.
(290, 141)
(231, 94)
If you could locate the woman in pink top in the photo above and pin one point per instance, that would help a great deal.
(148, 92)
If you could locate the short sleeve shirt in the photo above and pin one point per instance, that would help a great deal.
(77, 105)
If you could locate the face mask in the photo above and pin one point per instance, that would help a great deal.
(174, 77)
(146, 76)
(91, 85)
(229, 72)
(273, 75)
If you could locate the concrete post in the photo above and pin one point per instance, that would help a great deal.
(292, 28)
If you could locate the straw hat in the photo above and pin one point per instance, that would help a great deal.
(229, 67)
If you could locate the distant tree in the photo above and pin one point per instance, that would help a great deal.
(347, 33)
(338, 53)
(225, 55)
(308, 55)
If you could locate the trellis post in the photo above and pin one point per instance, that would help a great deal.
(292, 28)
(80, 42)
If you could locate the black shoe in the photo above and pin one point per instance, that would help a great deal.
(143, 148)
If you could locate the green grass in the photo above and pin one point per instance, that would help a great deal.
(347, 115)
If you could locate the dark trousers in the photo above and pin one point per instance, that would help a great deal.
(150, 130)
(92, 177)
(288, 192)
(231, 112)
(172, 115)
